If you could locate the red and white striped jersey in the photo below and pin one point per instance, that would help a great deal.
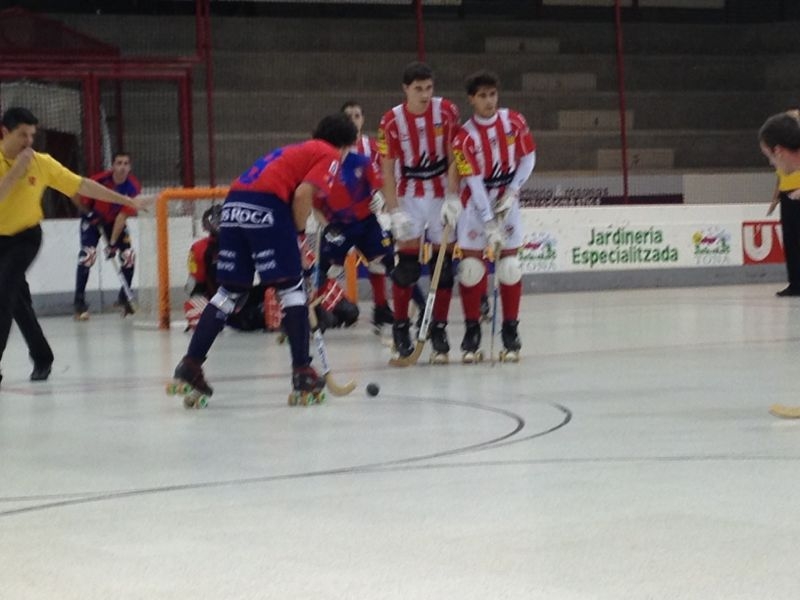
(492, 149)
(420, 143)
(369, 147)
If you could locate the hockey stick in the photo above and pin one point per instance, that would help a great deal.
(130, 300)
(319, 341)
(495, 293)
(422, 334)
(785, 412)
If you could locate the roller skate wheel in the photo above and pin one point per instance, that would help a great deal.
(178, 388)
(439, 359)
(472, 357)
(297, 398)
(509, 356)
(195, 401)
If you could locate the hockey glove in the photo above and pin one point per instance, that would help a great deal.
(110, 251)
(505, 203)
(451, 210)
(401, 225)
(494, 235)
(377, 203)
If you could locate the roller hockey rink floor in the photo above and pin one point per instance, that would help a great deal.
(629, 456)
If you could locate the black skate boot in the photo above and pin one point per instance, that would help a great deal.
(189, 381)
(307, 387)
(381, 315)
(81, 310)
(471, 344)
(511, 342)
(486, 310)
(439, 343)
(401, 332)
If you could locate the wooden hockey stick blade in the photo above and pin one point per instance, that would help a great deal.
(785, 412)
(336, 389)
(411, 359)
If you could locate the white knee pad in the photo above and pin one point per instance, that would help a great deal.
(87, 256)
(226, 301)
(293, 296)
(471, 271)
(509, 271)
(376, 266)
(335, 271)
(128, 258)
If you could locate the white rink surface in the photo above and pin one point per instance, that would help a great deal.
(629, 456)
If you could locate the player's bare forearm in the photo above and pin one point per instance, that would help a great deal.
(116, 230)
(389, 188)
(301, 205)
(453, 178)
(17, 170)
(92, 189)
(776, 198)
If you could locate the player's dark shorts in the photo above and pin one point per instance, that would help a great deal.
(367, 236)
(90, 236)
(257, 234)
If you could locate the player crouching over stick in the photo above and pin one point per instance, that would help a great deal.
(262, 229)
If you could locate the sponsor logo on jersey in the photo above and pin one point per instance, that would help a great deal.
(248, 216)
(380, 142)
(463, 166)
(32, 180)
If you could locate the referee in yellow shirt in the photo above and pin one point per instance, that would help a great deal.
(780, 142)
(24, 175)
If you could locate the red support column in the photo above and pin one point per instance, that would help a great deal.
(420, 31)
(623, 130)
(186, 129)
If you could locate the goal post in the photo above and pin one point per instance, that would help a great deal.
(165, 238)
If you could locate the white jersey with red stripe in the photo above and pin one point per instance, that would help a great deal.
(492, 148)
(368, 147)
(421, 144)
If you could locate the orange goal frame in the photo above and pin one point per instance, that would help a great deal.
(162, 242)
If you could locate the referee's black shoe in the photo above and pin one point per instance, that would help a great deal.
(41, 372)
(788, 291)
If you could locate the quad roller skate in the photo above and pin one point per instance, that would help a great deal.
(307, 387)
(471, 344)
(511, 342)
(401, 333)
(81, 310)
(189, 382)
(381, 315)
(440, 345)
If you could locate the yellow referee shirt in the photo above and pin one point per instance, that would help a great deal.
(22, 207)
(788, 183)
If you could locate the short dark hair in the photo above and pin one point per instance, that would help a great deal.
(416, 71)
(481, 79)
(349, 104)
(119, 153)
(782, 129)
(16, 116)
(336, 129)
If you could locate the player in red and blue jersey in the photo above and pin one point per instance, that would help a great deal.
(348, 213)
(111, 218)
(262, 231)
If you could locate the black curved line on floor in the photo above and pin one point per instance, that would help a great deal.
(520, 424)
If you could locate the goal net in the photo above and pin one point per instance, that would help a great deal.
(165, 235)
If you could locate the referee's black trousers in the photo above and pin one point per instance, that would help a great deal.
(16, 255)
